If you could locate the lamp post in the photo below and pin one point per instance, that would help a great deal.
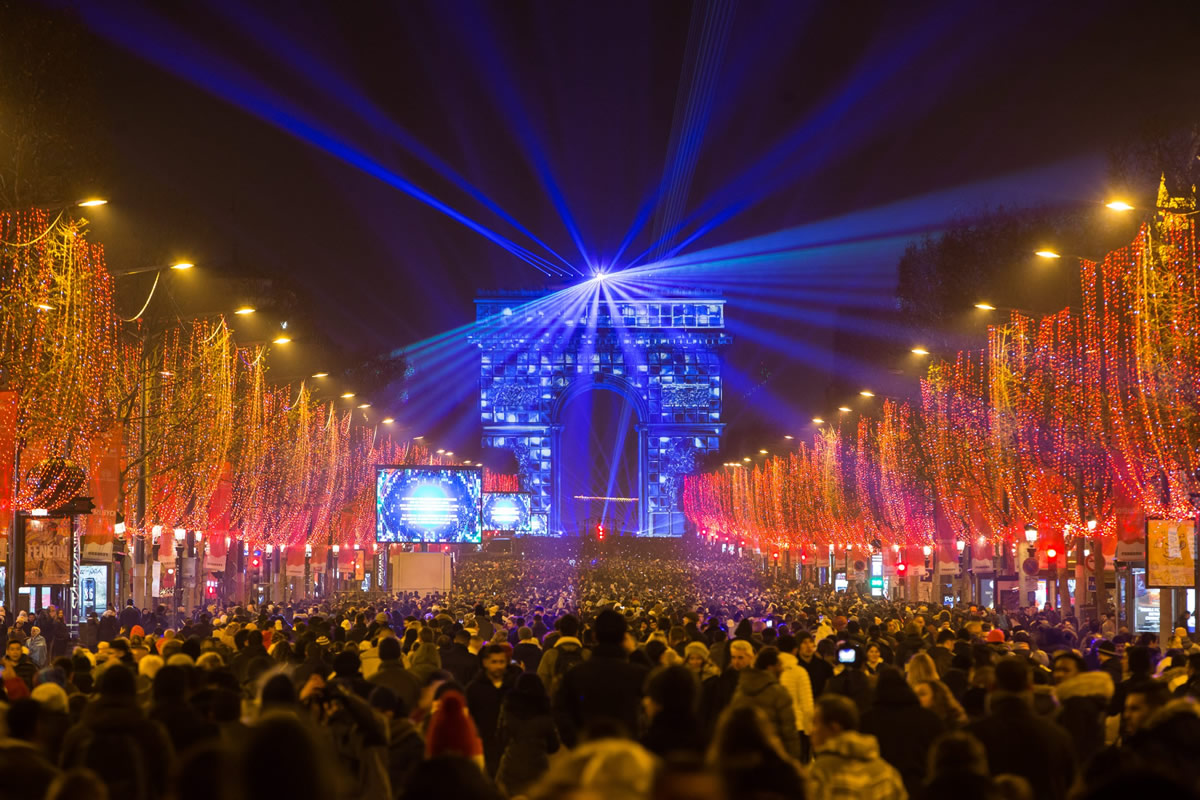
(180, 536)
(1031, 535)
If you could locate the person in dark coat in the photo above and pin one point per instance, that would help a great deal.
(527, 736)
(18, 663)
(130, 616)
(527, 652)
(253, 649)
(904, 728)
(759, 686)
(393, 675)
(719, 692)
(184, 725)
(406, 747)
(458, 660)
(1019, 742)
(132, 755)
(485, 699)
(606, 686)
(672, 696)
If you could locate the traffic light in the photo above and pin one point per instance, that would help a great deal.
(1051, 553)
(775, 555)
(256, 563)
(902, 569)
(600, 532)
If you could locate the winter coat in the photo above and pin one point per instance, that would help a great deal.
(758, 687)
(37, 650)
(405, 750)
(795, 679)
(606, 686)
(528, 737)
(459, 662)
(849, 765)
(484, 701)
(425, 661)
(1019, 742)
(394, 676)
(905, 731)
(528, 655)
(670, 733)
(110, 735)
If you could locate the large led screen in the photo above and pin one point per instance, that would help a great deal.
(506, 511)
(428, 504)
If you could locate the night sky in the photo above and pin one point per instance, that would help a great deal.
(271, 138)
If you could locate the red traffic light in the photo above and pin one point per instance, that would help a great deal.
(775, 554)
(1051, 552)
(901, 568)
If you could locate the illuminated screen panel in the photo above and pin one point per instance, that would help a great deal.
(507, 511)
(428, 504)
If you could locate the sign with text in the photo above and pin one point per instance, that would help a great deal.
(1170, 553)
(47, 551)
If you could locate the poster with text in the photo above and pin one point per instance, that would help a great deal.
(47, 552)
(1170, 553)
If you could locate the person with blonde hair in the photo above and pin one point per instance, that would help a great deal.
(936, 696)
(920, 668)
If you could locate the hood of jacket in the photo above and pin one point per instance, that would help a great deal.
(852, 744)
(1086, 684)
(755, 681)
(427, 653)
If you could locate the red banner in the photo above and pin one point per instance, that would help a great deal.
(166, 544)
(8, 455)
(219, 503)
(319, 558)
(295, 561)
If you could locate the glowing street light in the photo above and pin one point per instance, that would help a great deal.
(1046, 254)
(43, 306)
(281, 340)
(182, 265)
(1119, 205)
(745, 458)
(867, 393)
(920, 351)
(844, 409)
(418, 438)
(364, 405)
(387, 420)
(320, 374)
(985, 306)
(441, 452)
(347, 395)
(818, 421)
(788, 436)
(244, 310)
(95, 201)
(762, 452)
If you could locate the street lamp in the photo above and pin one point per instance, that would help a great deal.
(180, 535)
(1031, 534)
(1046, 253)
(95, 201)
(1119, 205)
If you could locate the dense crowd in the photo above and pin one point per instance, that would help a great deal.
(619, 676)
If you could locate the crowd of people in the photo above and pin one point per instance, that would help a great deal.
(620, 676)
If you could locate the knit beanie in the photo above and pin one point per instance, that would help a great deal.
(451, 730)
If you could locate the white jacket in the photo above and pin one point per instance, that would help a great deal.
(795, 679)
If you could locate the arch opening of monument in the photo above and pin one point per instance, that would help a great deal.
(661, 354)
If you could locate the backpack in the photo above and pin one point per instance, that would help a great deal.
(569, 654)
